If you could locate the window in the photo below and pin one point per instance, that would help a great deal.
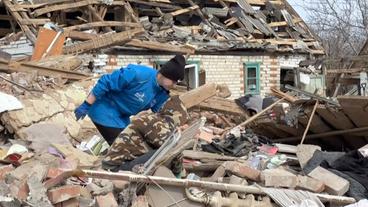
(251, 78)
(192, 75)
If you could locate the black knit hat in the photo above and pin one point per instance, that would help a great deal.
(174, 68)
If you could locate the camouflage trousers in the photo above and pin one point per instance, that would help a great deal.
(147, 132)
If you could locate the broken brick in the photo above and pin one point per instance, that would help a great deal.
(335, 184)
(54, 172)
(5, 169)
(279, 178)
(63, 193)
(107, 200)
(206, 136)
(74, 202)
(311, 184)
(19, 189)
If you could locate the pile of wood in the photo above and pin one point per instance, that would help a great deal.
(175, 26)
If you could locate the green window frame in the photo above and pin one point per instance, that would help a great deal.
(252, 78)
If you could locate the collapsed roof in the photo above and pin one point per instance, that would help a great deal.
(187, 25)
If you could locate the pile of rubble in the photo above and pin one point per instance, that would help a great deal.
(176, 26)
(215, 160)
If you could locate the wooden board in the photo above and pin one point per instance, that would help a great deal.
(44, 39)
(356, 108)
(319, 126)
(335, 118)
(339, 120)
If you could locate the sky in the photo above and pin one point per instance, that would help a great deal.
(298, 6)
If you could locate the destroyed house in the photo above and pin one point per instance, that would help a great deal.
(250, 45)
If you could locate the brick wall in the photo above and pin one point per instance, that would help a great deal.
(222, 69)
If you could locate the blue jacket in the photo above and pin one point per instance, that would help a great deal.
(126, 92)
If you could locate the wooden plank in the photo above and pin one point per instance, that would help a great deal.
(356, 108)
(222, 105)
(317, 124)
(44, 39)
(44, 71)
(335, 118)
(198, 95)
(160, 46)
(339, 120)
(76, 35)
(154, 4)
(183, 11)
(284, 23)
(102, 41)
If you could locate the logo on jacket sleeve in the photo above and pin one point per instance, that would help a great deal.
(140, 96)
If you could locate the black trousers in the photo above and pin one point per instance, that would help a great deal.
(108, 133)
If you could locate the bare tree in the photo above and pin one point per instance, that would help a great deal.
(342, 25)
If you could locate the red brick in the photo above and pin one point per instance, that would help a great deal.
(63, 193)
(74, 202)
(206, 136)
(5, 169)
(54, 172)
(107, 200)
(279, 178)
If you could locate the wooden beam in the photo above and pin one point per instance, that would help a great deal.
(45, 71)
(160, 46)
(101, 24)
(198, 95)
(102, 41)
(72, 5)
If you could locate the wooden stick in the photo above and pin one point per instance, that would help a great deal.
(195, 183)
(259, 114)
(309, 122)
(325, 134)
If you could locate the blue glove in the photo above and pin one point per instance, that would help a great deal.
(82, 110)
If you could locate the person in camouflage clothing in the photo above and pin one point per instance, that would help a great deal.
(146, 132)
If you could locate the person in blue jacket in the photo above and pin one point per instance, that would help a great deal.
(128, 91)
